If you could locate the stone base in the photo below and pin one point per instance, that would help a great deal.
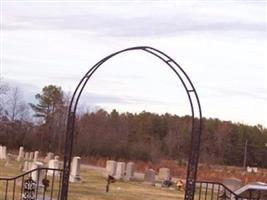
(75, 179)
(119, 177)
(127, 178)
(149, 183)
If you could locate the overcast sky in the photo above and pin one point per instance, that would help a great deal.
(222, 45)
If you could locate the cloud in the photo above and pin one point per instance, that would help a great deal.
(256, 93)
(151, 22)
(221, 43)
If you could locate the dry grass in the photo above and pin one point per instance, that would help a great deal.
(93, 187)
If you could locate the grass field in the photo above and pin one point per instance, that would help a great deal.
(93, 187)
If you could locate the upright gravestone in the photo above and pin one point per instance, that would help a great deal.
(75, 169)
(35, 156)
(53, 164)
(1, 149)
(4, 153)
(232, 183)
(26, 166)
(164, 174)
(120, 170)
(49, 156)
(149, 177)
(130, 168)
(249, 169)
(31, 156)
(254, 169)
(111, 166)
(37, 175)
(21, 153)
(27, 156)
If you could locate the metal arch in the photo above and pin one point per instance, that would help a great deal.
(194, 104)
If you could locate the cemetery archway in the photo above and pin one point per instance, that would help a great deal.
(195, 112)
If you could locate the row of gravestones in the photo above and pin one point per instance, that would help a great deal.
(3, 152)
(31, 162)
(27, 156)
(120, 170)
(53, 163)
(150, 175)
(32, 156)
(123, 171)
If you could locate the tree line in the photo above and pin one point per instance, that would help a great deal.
(137, 136)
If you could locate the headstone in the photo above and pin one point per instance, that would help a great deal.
(26, 166)
(130, 168)
(1, 148)
(21, 153)
(111, 166)
(31, 156)
(254, 169)
(149, 177)
(120, 170)
(53, 164)
(3, 153)
(164, 174)
(27, 156)
(249, 169)
(35, 156)
(37, 175)
(75, 169)
(232, 183)
(49, 156)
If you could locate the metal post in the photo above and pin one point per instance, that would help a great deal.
(245, 154)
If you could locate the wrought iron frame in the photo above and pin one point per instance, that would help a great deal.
(195, 111)
(23, 187)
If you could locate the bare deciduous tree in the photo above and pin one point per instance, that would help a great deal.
(17, 108)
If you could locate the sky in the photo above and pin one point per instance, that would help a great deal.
(222, 46)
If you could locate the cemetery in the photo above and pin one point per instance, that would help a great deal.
(36, 174)
(137, 123)
(89, 181)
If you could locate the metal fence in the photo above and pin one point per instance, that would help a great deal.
(207, 190)
(36, 184)
(46, 184)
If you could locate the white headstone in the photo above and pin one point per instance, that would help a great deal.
(27, 156)
(120, 170)
(164, 174)
(254, 169)
(75, 169)
(130, 168)
(37, 175)
(1, 149)
(150, 176)
(26, 166)
(53, 164)
(249, 169)
(3, 153)
(111, 166)
(35, 156)
(31, 156)
(49, 156)
(21, 153)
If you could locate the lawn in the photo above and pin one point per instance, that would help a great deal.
(93, 186)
